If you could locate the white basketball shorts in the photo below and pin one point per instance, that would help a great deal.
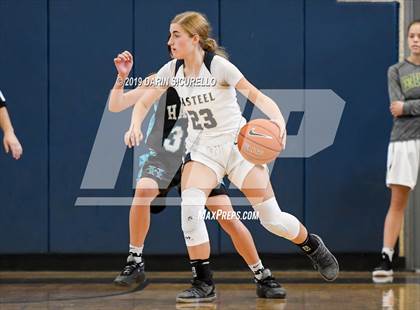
(403, 163)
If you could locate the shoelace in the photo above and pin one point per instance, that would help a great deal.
(129, 268)
(322, 258)
(195, 288)
(270, 281)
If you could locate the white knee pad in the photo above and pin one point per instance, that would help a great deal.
(192, 215)
(274, 220)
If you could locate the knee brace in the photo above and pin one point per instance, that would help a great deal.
(192, 216)
(274, 220)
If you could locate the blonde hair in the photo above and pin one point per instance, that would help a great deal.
(196, 23)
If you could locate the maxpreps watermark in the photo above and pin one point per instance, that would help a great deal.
(228, 215)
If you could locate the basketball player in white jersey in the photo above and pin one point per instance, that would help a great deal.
(160, 172)
(214, 121)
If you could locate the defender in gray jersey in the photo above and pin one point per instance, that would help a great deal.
(404, 147)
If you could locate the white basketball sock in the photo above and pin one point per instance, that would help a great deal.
(137, 251)
(389, 252)
(256, 269)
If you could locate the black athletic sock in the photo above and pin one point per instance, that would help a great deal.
(309, 245)
(201, 271)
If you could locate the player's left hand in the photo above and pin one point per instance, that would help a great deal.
(11, 143)
(283, 134)
(396, 108)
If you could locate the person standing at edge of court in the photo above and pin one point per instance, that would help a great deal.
(10, 141)
(404, 147)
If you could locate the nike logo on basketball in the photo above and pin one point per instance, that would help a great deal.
(252, 132)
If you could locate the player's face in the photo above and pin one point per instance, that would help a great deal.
(180, 42)
(414, 39)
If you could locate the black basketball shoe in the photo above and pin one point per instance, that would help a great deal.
(268, 287)
(198, 292)
(385, 267)
(324, 261)
(132, 273)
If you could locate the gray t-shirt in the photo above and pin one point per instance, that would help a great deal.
(404, 85)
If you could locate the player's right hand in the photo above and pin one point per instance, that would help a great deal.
(133, 136)
(124, 63)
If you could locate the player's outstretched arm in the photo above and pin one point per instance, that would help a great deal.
(118, 99)
(264, 103)
(10, 141)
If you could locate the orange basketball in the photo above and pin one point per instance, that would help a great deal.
(259, 141)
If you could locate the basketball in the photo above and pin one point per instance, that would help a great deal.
(259, 141)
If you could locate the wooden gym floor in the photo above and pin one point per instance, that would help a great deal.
(235, 290)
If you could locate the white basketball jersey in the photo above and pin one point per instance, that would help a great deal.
(213, 110)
